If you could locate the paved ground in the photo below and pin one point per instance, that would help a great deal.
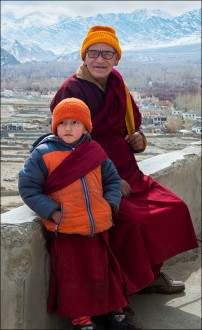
(176, 311)
(179, 311)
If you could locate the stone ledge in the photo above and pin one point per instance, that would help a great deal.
(180, 171)
(161, 164)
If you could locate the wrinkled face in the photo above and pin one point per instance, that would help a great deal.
(70, 131)
(99, 67)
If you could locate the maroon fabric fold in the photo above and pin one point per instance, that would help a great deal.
(83, 159)
(109, 127)
(86, 278)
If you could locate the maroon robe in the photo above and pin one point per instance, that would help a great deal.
(85, 276)
(153, 224)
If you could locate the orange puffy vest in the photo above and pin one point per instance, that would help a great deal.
(84, 210)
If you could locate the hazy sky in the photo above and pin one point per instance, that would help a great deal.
(91, 8)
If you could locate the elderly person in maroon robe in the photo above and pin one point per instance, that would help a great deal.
(152, 224)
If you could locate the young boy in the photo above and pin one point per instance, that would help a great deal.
(69, 181)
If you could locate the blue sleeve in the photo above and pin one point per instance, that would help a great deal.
(111, 183)
(31, 179)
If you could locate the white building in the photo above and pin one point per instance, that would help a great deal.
(191, 116)
(160, 120)
(197, 130)
(176, 112)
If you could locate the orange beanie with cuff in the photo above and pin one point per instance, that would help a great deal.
(103, 34)
(71, 108)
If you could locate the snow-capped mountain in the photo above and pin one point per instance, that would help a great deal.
(26, 53)
(35, 34)
(7, 58)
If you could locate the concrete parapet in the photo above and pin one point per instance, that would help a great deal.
(180, 171)
(25, 270)
(25, 263)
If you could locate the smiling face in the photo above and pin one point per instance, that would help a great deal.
(70, 131)
(99, 67)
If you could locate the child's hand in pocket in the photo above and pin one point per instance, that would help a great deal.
(56, 216)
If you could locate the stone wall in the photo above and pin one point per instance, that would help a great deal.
(180, 171)
(25, 263)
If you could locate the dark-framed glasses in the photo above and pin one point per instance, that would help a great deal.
(106, 54)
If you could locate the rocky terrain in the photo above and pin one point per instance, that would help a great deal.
(32, 111)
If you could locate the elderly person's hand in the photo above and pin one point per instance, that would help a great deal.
(125, 189)
(136, 141)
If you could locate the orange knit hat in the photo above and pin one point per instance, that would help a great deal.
(71, 108)
(104, 34)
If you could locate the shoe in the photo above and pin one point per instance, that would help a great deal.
(133, 321)
(117, 320)
(164, 284)
(90, 326)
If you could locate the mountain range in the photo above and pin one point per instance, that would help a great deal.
(46, 37)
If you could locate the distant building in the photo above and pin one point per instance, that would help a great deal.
(148, 105)
(197, 130)
(184, 132)
(12, 127)
(176, 112)
(145, 114)
(191, 116)
(135, 95)
(159, 120)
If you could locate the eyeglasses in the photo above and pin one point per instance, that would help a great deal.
(106, 54)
